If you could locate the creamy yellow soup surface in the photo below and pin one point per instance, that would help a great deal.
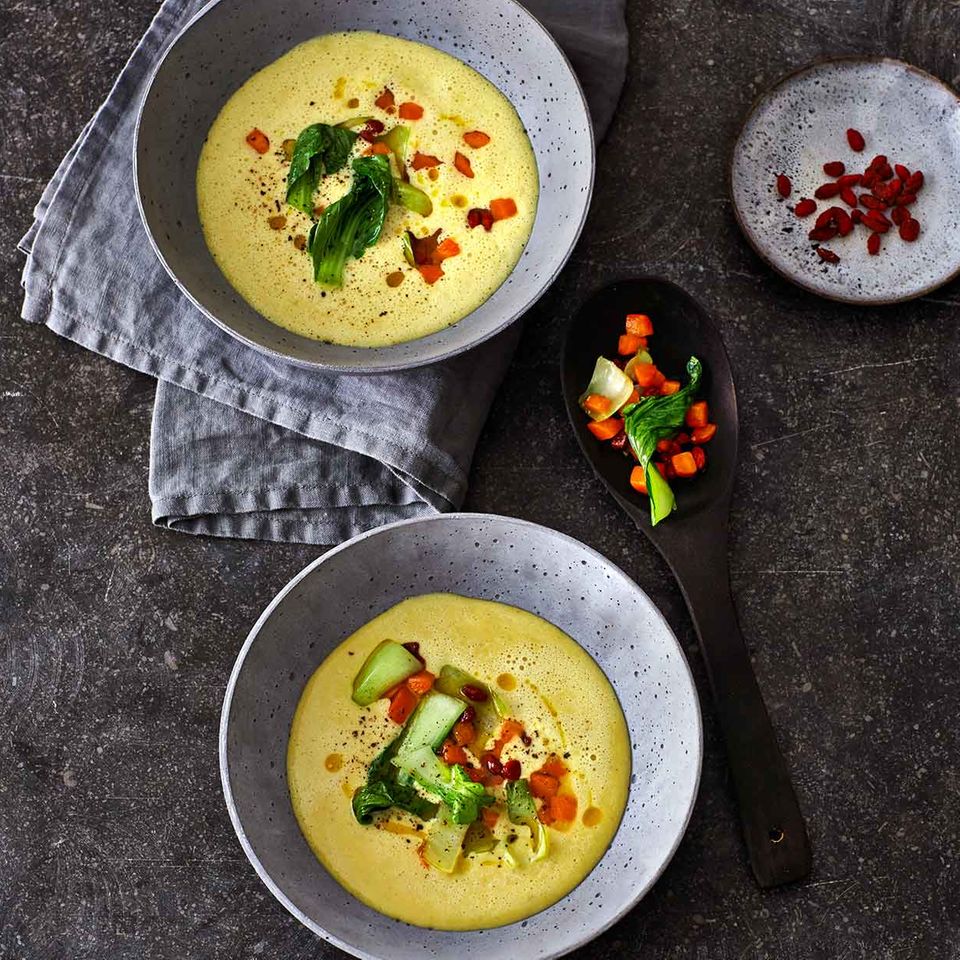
(547, 681)
(240, 190)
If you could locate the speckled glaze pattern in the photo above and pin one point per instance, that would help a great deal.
(801, 123)
(493, 558)
(229, 40)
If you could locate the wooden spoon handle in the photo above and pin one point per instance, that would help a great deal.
(773, 825)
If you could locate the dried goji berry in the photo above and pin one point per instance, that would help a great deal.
(820, 234)
(902, 172)
(855, 139)
(876, 221)
(784, 186)
(827, 255)
(872, 203)
(834, 168)
(805, 207)
(848, 197)
(849, 180)
(905, 199)
(914, 182)
(826, 191)
(873, 244)
(843, 221)
(909, 230)
(899, 214)
(827, 217)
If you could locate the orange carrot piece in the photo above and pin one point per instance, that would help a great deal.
(563, 807)
(430, 272)
(628, 344)
(464, 733)
(258, 140)
(490, 816)
(596, 403)
(640, 324)
(554, 766)
(697, 414)
(634, 396)
(645, 374)
(421, 161)
(503, 209)
(462, 164)
(476, 138)
(385, 99)
(451, 753)
(605, 429)
(638, 480)
(703, 434)
(668, 387)
(684, 464)
(448, 248)
(542, 785)
(377, 148)
(402, 704)
(421, 683)
(410, 111)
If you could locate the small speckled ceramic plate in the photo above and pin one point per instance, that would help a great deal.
(801, 124)
(493, 558)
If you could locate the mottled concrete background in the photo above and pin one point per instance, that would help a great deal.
(116, 639)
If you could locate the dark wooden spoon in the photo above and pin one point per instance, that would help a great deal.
(693, 541)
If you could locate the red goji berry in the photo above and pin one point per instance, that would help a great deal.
(834, 168)
(872, 203)
(849, 180)
(855, 139)
(819, 234)
(873, 244)
(784, 186)
(875, 221)
(843, 221)
(826, 191)
(824, 254)
(827, 217)
(856, 216)
(910, 230)
(848, 197)
(914, 182)
(905, 199)
(902, 172)
(805, 207)
(899, 214)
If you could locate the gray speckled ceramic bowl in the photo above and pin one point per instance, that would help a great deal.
(494, 558)
(229, 40)
(801, 123)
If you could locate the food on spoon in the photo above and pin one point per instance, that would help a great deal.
(470, 811)
(280, 162)
(641, 412)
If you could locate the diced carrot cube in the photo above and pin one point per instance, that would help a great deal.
(503, 209)
(420, 683)
(543, 785)
(697, 414)
(668, 387)
(258, 140)
(638, 480)
(605, 429)
(703, 434)
(645, 374)
(430, 272)
(377, 148)
(402, 704)
(451, 753)
(410, 111)
(448, 248)
(490, 816)
(659, 380)
(563, 807)
(476, 138)
(640, 324)
(684, 464)
(628, 344)
(462, 164)
(554, 766)
(596, 403)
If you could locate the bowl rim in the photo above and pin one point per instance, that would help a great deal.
(795, 277)
(589, 933)
(387, 365)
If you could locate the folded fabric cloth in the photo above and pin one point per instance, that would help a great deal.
(243, 445)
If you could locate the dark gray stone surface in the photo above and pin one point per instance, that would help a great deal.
(116, 638)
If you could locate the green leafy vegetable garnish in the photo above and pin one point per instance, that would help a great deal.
(450, 785)
(353, 222)
(383, 790)
(658, 418)
(319, 149)
(396, 138)
(413, 198)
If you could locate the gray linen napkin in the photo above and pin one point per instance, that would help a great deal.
(243, 445)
